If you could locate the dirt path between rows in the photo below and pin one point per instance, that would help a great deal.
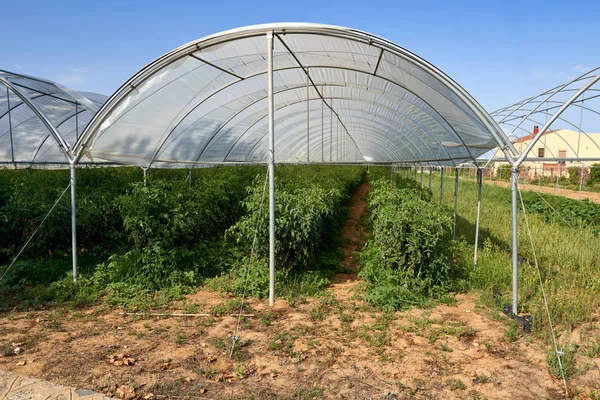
(571, 194)
(354, 236)
(354, 232)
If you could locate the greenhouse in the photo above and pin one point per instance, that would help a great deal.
(278, 93)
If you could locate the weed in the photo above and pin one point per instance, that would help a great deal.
(191, 308)
(266, 318)
(230, 307)
(7, 350)
(512, 333)
(457, 384)
(209, 372)
(283, 342)
(219, 343)
(239, 371)
(324, 307)
(567, 358)
(308, 393)
(591, 348)
(444, 347)
(180, 338)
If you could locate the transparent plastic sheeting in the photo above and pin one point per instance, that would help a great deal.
(340, 96)
(24, 138)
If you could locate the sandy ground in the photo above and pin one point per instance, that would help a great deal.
(330, 347)
(571, 194)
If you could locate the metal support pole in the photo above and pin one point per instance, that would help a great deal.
(189, 179)
(557, 177)
(331, 132)
(515, 242)
(441, 185)
(307, 117)
(73, 223)
(430, 173)
(479, 185)
(323, 124)
(456, 172)
(271, 170)
(580, 182)
(145, 169)
(76, 121)
(421, 176)
(10, 132)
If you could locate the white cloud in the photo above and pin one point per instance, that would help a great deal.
(580, 69)
(73, 77)
(557, 76)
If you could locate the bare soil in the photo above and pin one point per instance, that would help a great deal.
(333, 346)
(569, 193)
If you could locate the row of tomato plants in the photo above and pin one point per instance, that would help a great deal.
(310, 205)
(411, 258)
(128, 234)
(137, 239)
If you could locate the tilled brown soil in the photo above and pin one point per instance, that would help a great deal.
(325, 348)
(571, 194)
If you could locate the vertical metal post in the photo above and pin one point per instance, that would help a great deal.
(580, 123)
(145, 169)
(580, 182)
(73, 223)
(430, 173)
(515, 242)
(337, 139)
(421, 176)
(331, 132)
(323, 124)
(456, 172)
(441, 185)
(307, 117)
(557, 177)
(189, 178)
(76, 121)
(271, 170)
(479, 184)
(10, 132)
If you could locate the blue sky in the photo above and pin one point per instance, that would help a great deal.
(500, 51)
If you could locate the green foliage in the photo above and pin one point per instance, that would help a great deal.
(408, 261)
(567, 358)
(503, 172)
(26, 197)
(310, 203)
(132, 239)
(457, 384)
(512, 332)
(594, 174)
(575, 176)
(576, 212)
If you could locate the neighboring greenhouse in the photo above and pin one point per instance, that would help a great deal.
(40, 121)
